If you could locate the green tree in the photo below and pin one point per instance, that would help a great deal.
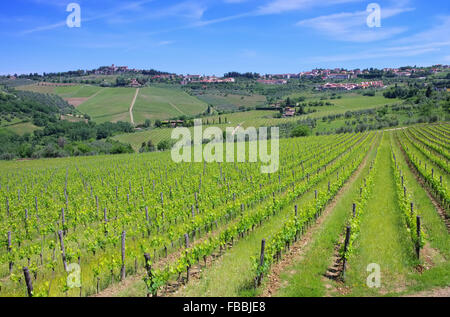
(301, 130)
(164, 145)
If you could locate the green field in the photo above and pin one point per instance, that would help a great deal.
(81, 91)
(262, 118)
(244, 119)
(20, 128)
(162, 103)
(352, 102)
(110, 105)
(231, 102)
(66, 92)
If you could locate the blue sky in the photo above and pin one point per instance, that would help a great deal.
(216, 36)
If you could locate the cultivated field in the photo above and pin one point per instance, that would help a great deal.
(161, 103)
(267, 118)
(113, 104)
(231, 102)
(109, 105)
(142, 225)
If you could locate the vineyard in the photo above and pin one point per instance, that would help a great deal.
(88, 226)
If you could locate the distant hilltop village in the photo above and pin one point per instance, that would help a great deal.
(338, 78)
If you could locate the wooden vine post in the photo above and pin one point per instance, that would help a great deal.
(63, 217)
(63, 250)
(418, 237)
(9, 251)
(122, 270)
(105, 218)
(186, 240)
(96, 203)
(148, 268)
(347, 240)
(7, 207)
(261, 262)
(28, 282)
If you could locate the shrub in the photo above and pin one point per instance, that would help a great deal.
(300, 131)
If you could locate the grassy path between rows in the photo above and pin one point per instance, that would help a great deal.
(304, 278)
(383, 238)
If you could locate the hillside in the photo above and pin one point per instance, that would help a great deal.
(32, 126)
(351, 112)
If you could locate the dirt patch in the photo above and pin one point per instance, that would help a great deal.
(441, 292)
(71, 118)
(336, 269)
(429, 256)
(76, 101)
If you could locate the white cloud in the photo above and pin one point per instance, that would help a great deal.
(164, 43)
(234, 1)
(392, 51)
(280, 6)
(440, 31)
(352, 26)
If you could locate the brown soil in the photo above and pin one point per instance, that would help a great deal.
(76, 101)
(334, 272)
(441, 292)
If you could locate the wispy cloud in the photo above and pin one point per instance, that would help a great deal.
(352, 27)
(274, 7)
(129, 6)
(438, 32)
(392, 51)
(281, 6)
(436, 39)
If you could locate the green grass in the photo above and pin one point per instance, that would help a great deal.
(161, 103)
(19, 127)
(383, 237)
(111, 104)
(222, 101)
(22, 128)
(72, 91)
(352, 102)
(83, 91)
(37, 88)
